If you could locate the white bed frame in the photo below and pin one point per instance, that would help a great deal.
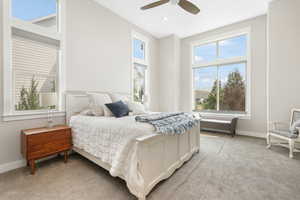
(158, 156)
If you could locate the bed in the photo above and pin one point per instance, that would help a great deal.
(146, 157)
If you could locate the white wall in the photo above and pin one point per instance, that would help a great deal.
(169, 73)
(284, 62)
(257, 124)
(99, 50)
(98, 58)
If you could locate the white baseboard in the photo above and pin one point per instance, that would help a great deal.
(252, 134)
(12, 165)
(19, 163)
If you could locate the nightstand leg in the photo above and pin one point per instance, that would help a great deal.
(32, 166)
(66, 156)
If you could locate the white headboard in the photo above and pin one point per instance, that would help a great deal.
(76, 101)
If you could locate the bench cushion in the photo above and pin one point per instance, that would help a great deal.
(216, 121)
(218, 124)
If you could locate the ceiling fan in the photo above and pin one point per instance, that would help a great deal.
(184, 4)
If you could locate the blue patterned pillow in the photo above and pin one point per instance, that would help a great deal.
(119, 109)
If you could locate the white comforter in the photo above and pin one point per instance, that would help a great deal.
(113, 141)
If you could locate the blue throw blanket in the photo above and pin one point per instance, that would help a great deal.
(170, 123)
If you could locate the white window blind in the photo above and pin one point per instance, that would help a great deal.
(37, 60)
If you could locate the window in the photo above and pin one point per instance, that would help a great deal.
(205, 53)
(139, 49)
(140, 67)
(221, 76)
(33, 64)
(139, 82)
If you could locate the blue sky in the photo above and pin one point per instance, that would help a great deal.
(229, 48)
(233, 47)
(28, 10)
(138, 49)
(206, 53)
(204, 77)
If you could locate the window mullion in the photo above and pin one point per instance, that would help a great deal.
(218, 50)
(218, 88)
(218, 75)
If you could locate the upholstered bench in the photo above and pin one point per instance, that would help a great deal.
(224, 125)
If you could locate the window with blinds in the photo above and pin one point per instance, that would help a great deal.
(35, 66)
(33, 58)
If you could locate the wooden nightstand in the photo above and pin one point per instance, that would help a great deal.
(42, 142)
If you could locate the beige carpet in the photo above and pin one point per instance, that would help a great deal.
(226, 168)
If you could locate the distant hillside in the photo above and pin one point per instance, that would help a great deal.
(199, 94)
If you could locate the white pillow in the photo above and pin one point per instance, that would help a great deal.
(87, 112)
(117, 97)
(107, 112)
(97, 103)
(136, 108)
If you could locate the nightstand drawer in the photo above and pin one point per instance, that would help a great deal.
(41, 150)
(44, 138)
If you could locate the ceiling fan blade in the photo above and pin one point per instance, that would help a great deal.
(155, 4)
(189, 7)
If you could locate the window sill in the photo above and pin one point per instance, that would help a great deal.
(31, 115)
(240, 116)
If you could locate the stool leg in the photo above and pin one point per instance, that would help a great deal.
(66, 156)
(291, 145)
(32, 166)
(268, 141)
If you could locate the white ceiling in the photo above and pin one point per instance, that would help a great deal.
(214, 14)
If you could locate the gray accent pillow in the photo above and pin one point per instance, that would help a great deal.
(119, 109)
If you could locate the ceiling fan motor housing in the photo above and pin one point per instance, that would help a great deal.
(184, 4)
(174, 2)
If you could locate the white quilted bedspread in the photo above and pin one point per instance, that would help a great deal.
(113, 141)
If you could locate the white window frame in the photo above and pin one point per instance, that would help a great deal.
(218, 62)
(9, 23)
(145, 62)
